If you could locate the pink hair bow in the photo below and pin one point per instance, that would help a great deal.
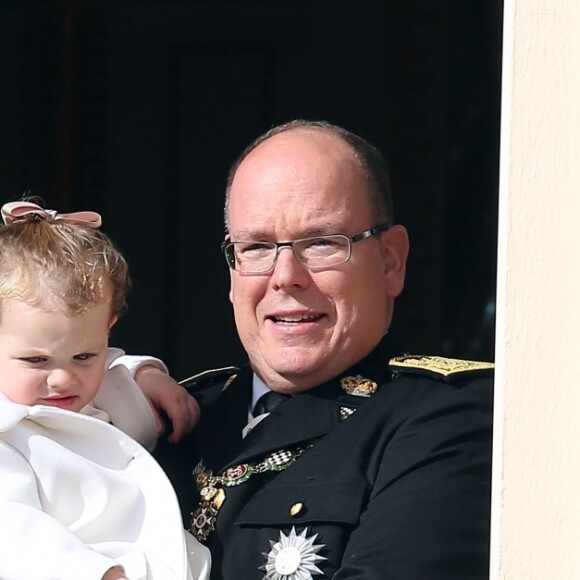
(16, 209)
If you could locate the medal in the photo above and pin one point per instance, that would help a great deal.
(293, 557)
(203, 520)
(212, 487)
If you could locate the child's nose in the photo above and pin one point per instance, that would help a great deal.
(60, 379)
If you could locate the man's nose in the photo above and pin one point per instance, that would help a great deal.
(288, 270)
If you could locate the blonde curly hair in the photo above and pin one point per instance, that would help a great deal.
(54, 263)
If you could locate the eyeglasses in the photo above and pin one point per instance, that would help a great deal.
(316, 253)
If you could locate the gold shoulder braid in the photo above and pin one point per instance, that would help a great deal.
(445, 368)
(211, 487)
(211, 377)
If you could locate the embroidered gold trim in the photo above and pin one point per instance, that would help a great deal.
(207, 372)
(229, 382)
(445, 367)
(358, 385)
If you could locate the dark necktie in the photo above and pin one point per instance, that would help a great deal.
(268, 402)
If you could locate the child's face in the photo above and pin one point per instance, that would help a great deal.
(49, 357)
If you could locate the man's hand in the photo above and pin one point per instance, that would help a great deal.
(165, 394)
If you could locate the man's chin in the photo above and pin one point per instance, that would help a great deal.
(289, 375)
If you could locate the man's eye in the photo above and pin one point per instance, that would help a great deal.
(321, 242)
(253, 249)
(325, 245)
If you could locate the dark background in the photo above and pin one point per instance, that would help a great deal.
(136, 110)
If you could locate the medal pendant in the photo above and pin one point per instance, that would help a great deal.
(203, 520)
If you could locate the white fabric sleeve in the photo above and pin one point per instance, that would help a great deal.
(122, 399)
(133, 362)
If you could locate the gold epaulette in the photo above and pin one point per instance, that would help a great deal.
(210, 377)
(444, 368)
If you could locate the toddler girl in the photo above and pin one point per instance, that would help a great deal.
(79, 498)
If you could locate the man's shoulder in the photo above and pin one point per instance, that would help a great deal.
(448, 370)
(207, 385)
(434, 382)
(210, 378)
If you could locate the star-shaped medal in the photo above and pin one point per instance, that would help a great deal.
(293, 557)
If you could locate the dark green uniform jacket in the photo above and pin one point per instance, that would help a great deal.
(393, 484)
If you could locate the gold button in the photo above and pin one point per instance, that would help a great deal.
(296, 509)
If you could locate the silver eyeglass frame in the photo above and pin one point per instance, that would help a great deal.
(227, 248)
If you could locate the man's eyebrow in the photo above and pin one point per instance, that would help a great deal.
(324, 230)
(247, 235)
(257, 235)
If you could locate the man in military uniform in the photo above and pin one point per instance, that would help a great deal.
(372, 466)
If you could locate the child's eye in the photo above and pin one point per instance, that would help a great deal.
(33, 360)
(85, 356)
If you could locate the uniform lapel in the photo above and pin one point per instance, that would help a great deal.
(305, 416)
(220, 429)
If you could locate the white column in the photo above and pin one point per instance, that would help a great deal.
(536, 497)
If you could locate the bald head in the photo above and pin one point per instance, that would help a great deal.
(370, 160)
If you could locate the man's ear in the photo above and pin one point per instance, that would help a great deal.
(231, 290)
(395, 248)
(113, 321)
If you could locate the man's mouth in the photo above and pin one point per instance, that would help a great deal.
(295, 318)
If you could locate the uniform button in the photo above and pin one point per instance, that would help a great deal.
(297, 509)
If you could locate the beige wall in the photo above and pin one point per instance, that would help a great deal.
(536, 503)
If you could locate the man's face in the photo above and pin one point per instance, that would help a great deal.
(302, 327)
(51, 357)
